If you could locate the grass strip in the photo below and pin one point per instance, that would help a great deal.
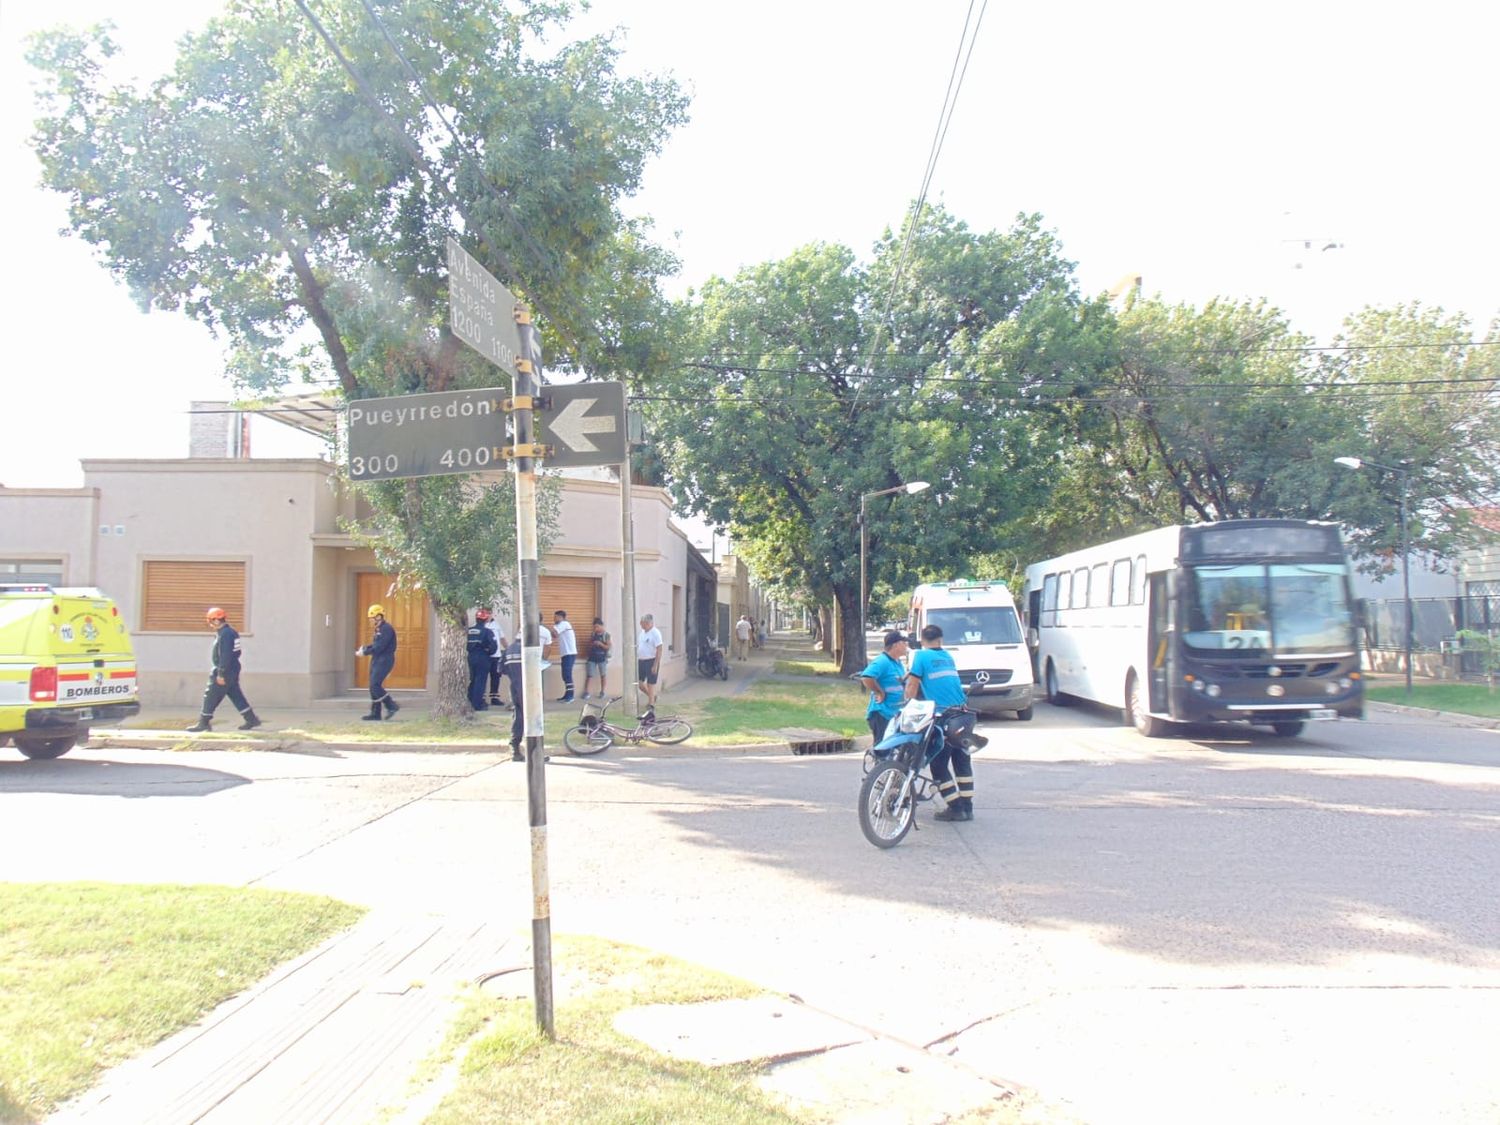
(93, 973)
(1465, 699)
(592, 1073)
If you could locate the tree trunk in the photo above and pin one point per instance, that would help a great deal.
(451, 699)
(851, 657)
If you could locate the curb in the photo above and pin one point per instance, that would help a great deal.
(1452, 717)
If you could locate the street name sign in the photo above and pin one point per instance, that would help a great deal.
(585, 425)
(481, 310)
(428, 435)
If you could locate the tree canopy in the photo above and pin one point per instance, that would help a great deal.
(291, 184)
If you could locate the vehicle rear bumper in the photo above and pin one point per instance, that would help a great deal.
(67, 720)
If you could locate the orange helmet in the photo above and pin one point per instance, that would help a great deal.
(215, 614)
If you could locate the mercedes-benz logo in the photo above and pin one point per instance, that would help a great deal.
(981, 677)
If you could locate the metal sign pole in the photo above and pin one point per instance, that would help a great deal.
(523, 404)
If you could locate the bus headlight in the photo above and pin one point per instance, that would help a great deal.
(1333, 689)
(1345, 683)
(1213, 691)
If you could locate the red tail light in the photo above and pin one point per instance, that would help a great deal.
(44, 685)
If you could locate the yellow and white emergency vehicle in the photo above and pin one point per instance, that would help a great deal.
(66, 663)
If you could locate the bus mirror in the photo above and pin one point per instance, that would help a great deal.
(1033, 638)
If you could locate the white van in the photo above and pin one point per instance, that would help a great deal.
(983, 633)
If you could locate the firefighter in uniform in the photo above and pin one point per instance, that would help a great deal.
(225, 677)
(382, 653)
(512, 665)
(479, 642)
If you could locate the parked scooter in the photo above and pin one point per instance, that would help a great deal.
(712, 661)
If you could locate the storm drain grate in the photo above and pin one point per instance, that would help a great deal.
(803, 741)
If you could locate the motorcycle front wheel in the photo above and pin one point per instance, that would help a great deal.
(886, 805)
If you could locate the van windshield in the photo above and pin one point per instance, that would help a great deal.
(977, 625)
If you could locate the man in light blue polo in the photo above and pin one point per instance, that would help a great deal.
(934, 675)
(882, 679)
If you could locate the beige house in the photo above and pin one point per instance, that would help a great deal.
(263, 539)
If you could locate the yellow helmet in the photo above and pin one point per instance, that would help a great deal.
(375, 611)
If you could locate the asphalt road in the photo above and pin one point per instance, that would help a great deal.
(1225, 929)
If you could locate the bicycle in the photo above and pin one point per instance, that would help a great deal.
(595, 733)
(897, 778)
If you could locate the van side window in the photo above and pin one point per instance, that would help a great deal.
(1119, 583)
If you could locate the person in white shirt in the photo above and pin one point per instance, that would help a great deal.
(742, 631)
(648, 646)
(493, 625)
(567, 650)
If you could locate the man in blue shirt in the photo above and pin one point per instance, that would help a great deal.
(882, 679)
(935, 676)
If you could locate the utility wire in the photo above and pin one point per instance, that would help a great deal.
(945, 117)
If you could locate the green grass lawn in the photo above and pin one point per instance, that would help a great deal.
(1466, 699)
(812, 666)
(93, 973)
(591, 1072)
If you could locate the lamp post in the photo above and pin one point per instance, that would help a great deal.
(1405, 475)
(914, 486)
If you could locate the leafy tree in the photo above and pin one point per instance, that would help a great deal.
(815, 380)
(299, 208)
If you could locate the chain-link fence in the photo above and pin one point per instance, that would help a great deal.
(1436, 623)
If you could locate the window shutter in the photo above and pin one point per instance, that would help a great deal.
(177, 593)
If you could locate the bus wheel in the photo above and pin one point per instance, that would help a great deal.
(1138, 709)
(1054, 696)
(1290, 728)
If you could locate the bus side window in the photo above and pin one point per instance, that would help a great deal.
(1081, 587)
(1138, 582)
(1049, 601)
(1099, 585)
(1119, 583)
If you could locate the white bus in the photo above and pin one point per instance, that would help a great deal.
(1242, 620)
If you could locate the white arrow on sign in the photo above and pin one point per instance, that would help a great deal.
(572, 425)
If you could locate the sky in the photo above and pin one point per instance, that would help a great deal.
(1198, 145)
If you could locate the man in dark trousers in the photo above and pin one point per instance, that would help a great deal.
(382, 653)
(225, 677)
(512, 665)
(479, 643)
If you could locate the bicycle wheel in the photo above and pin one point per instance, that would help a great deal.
(669, 732)
(886, 805)
(587, 740)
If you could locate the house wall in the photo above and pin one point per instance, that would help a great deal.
(53, 523)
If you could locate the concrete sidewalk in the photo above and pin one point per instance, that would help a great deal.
(157, 728)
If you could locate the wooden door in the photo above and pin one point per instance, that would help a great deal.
(579, 597)
(409, 615)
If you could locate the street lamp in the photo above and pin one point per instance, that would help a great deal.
(1405, 475)
(914, 486)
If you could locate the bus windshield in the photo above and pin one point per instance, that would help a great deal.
(1284, 608)
(977, 625)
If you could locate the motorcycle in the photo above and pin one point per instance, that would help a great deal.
(897, 778)
(712, 662)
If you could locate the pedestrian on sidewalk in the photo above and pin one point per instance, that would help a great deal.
(567, 651)
(479, 645)
(883, 678)
(382, 653)
(742, 631)
(513, 664)
(648, 646)
(493, 625)
(598, 661)
(224, 679)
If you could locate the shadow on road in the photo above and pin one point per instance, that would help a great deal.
(1215, 860)
(105, 778)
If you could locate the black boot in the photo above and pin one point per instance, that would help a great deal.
(374, 715)
(202, 724)
(516, 755)
(391, 706)
(251, 721)
(954, 812)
